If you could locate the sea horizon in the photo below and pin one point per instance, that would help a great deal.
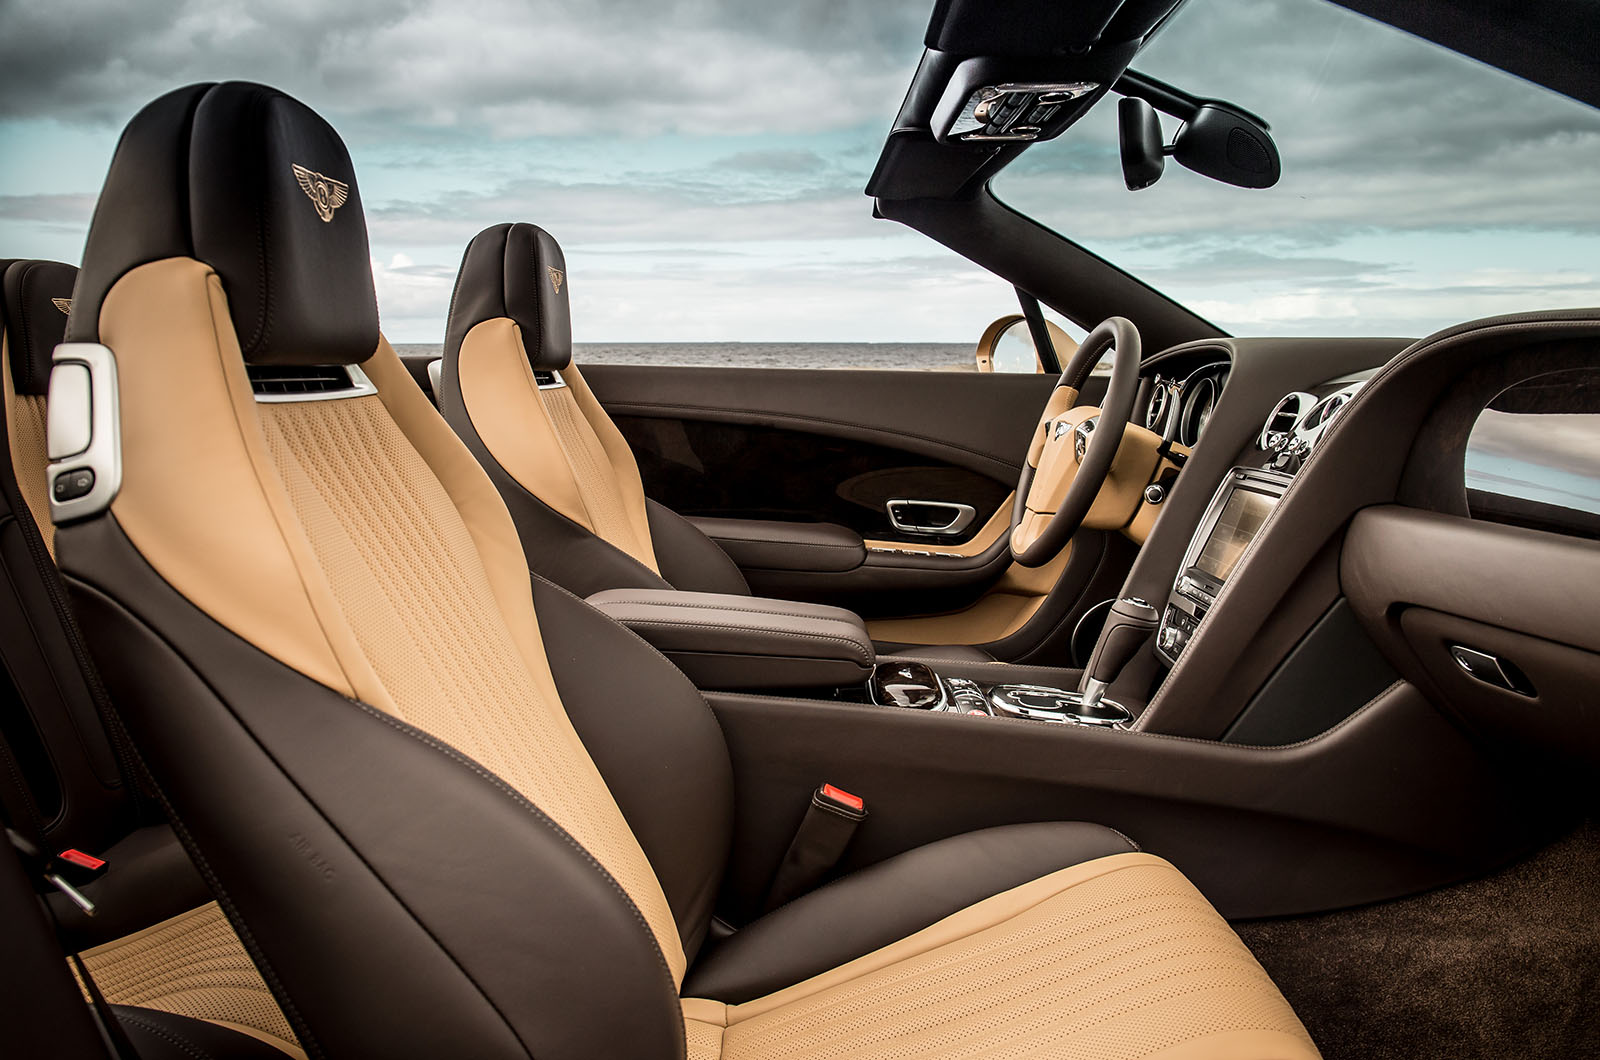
(888, 356)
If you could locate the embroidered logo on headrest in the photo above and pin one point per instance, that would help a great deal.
(325, 193)
(556, 277)
(63, 304)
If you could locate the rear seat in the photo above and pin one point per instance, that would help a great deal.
(159, 948)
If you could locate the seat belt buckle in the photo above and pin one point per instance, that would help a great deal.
(825, 831)
(839, 802)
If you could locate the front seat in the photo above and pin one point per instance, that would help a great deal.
(511, 392)
(456, 814)
(158, 948)
(509, 388)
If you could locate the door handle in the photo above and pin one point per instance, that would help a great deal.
(939, 518)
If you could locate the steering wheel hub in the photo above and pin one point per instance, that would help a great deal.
(1055, 492)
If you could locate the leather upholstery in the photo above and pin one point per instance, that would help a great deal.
(260, 188)
(37, 297)
(81, 793)
(191, 966)
(1116, 958)
(157, 1035)
(732, 642)
(516, 272)
(566, 472)
(688, 559)
(769, 544)
(879, 905)
(364, 731)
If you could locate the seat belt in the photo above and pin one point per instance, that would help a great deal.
(825, 831)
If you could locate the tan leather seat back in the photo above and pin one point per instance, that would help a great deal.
(553, 437)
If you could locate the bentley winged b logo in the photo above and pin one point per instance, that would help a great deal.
(63, 304)
(556, 277)
(325, 193)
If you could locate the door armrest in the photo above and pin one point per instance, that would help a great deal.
(767, 544)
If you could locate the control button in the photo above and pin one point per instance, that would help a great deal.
(1155, 493)
(70, 485)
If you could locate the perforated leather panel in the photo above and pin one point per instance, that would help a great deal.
(595, 478)
(404, 572)
(192, 965)
(1117, 959)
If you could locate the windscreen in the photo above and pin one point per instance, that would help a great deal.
(1420, 188)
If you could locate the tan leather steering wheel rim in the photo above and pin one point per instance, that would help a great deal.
(1061, 477)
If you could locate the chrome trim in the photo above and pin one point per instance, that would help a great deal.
(360, 386)
(964, 515)
(103, 454)
(1303, 404)
(1003, 701)
(556, 382)
(436, 375)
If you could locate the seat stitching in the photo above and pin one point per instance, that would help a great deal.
(164, 1033)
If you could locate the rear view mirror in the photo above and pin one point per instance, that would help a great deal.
(1139, 135)
(1223, 144)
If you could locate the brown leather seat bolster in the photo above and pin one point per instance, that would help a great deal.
(871, 908)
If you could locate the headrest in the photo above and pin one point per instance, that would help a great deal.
(254, 184)
(37, 297)
(516, 271)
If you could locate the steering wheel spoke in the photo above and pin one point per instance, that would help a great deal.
(1074, 446)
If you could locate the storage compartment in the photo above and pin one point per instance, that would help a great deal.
(746, 642)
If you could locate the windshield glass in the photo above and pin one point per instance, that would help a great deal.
(1419, 189)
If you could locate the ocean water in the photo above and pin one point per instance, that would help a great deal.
(903, 356)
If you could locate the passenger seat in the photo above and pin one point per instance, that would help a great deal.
(158, 947)
(466, 815)
(510, 390)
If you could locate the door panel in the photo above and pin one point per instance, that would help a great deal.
(835, 447)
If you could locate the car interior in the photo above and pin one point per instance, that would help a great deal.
(1175, 695)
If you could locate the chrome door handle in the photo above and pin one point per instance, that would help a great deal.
(923, 517)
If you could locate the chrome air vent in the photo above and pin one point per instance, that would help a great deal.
(320, 382)
(1285, 416)
(548, 380)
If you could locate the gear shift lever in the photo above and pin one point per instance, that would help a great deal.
(1129, 626)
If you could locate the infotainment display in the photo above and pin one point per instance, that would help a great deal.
(1241, 517)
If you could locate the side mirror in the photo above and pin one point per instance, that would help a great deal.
(1223, 144)
(1007, 346)
(1144, 156)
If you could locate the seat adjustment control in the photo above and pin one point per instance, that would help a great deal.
(70, 485)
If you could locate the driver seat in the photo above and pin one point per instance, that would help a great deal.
(511, 392)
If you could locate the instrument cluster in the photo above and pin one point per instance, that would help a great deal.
(1179, 407)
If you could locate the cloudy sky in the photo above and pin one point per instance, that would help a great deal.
(702, 161)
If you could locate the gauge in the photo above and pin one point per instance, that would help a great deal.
(1155, 416)
(1199, 401)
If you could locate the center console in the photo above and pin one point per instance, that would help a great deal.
(915, 686)
(1237, 511)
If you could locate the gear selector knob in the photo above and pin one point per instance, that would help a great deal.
(1128, 628)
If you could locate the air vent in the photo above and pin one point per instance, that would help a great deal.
(548, 380)
(1285, 416)
(319, 382)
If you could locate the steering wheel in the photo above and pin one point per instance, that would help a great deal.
(1073, 446)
